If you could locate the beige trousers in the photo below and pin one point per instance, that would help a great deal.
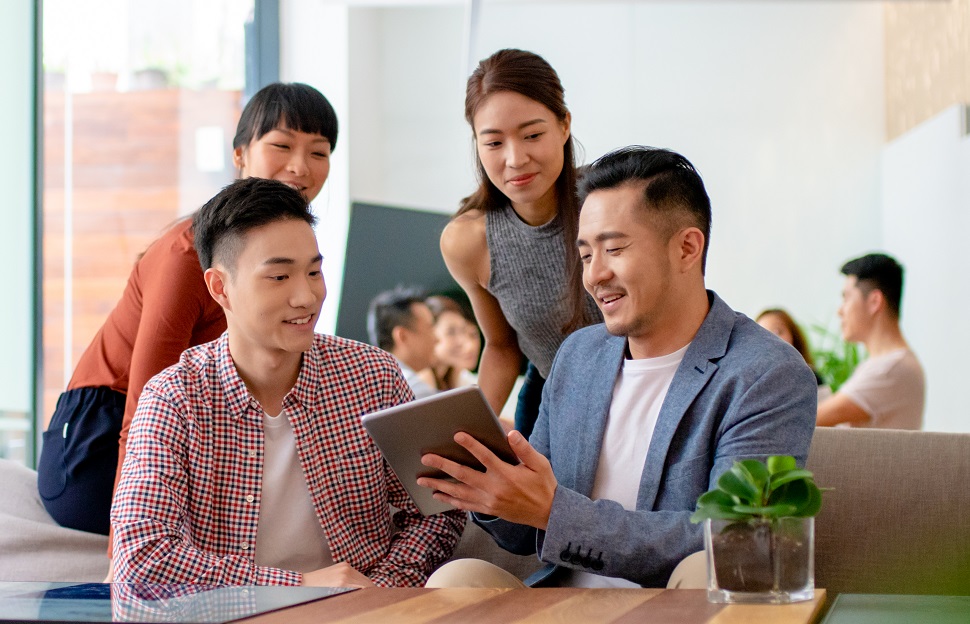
(691, 573)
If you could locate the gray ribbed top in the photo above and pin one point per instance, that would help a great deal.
(528, 278)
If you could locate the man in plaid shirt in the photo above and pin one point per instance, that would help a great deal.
(247, 463)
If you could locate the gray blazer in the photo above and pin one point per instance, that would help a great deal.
(740, 392)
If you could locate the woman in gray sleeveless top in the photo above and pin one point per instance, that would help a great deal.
(512, 244)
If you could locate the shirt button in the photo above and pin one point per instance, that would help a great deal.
(245, 546)
(250, 498)
(252, 453)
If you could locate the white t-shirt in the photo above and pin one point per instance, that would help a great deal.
(638, 395)
(890, 388)
(288, 535)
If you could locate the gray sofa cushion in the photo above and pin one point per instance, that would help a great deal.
(898, 517)
(35, 548)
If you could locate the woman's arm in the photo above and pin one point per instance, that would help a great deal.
(465, 251)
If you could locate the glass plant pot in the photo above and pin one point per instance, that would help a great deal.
(760, 561)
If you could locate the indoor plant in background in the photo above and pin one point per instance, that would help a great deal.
(759, 532)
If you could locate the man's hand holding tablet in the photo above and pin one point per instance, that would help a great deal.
(455, 430)
(519, 493)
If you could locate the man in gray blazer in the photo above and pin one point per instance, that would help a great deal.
(641, 414)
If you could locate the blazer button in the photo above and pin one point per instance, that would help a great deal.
(565, 555)
(598, 564)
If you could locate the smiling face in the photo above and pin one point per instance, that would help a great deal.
(520, 144)
(458, 341)
(627, 264)
(296, 158)
(273, 294)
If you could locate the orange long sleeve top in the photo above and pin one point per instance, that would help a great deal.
(165, 309)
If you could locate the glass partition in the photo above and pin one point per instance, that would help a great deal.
(140, 105)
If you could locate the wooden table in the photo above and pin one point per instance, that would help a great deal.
(539, 606)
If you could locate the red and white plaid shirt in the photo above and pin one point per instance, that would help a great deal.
(187, 504)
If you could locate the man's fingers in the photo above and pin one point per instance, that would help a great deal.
(525, 452)
(452, 469)
(482, 453)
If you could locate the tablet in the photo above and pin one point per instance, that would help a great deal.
(405, 432)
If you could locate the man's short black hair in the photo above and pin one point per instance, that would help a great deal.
(881, 272)
(219, 226)
(673, 188)
(390, 309)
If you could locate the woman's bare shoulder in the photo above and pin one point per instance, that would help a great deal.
(464, 246)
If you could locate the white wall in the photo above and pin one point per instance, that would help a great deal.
(926, 194)
(314, 50)
(780, 106)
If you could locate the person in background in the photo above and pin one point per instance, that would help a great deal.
(887, 390)
(286, 132)
(780, 323)
(247, 462)
(400, 322)
(459, 345)
(511, 245)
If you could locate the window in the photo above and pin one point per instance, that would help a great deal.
(140, 104)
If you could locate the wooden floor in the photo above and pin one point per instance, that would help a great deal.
(539, 606)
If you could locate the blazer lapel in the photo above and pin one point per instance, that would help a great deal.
(604, 368)
(695, 371)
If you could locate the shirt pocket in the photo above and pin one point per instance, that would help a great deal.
(360, 480)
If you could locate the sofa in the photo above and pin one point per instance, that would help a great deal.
(895, 519)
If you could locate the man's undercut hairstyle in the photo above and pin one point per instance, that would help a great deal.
(220, 226)
(880, 272)
(294, 105)
(390, 309)
(673, 189)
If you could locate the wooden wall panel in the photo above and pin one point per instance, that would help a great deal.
(133, 176)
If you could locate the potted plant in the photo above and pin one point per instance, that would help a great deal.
(759, 532)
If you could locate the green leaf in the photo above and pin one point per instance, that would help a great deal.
(757, 472)
(769, 511)
(781, 463)
(781, 478)
(735, 485)
(813, 505)
(715, 512)
(717, 497)
(794, 493)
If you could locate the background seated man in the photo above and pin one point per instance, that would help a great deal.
(640, 415)
(400, 322)
(247, 463)
(888, 389)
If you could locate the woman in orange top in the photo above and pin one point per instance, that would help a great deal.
(286, 133)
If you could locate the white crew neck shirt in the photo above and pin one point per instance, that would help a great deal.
(288, 535)
(638, 395)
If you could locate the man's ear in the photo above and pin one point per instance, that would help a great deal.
(217, 281)
(399, 334)
(689, 248)
(875, 301)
